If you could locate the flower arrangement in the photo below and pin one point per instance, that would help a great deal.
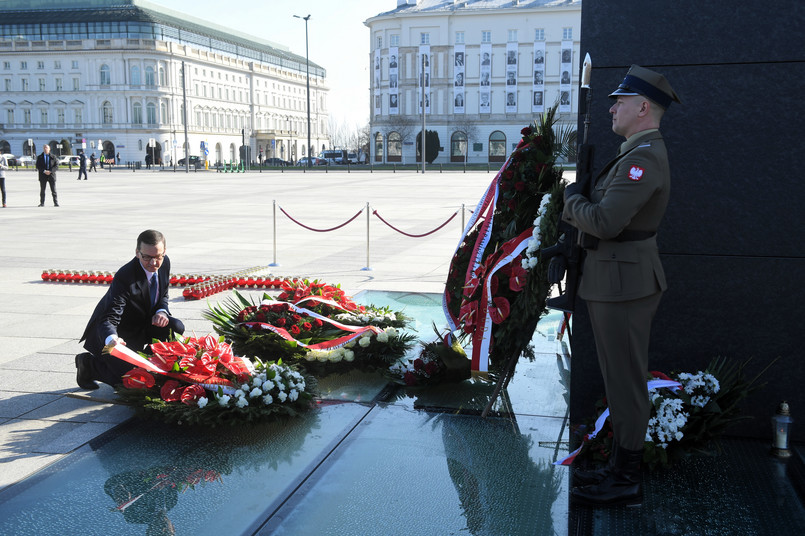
(687, 418)
(200, 381)
(315, 326)
(495, 277)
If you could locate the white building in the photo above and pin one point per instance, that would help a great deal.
(109, 72)
(491, 67)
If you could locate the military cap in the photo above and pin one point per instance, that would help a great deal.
(642, 81)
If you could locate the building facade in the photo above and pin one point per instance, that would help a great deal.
(486, 69)
(126, 77)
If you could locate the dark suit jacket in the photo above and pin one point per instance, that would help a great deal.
(126, 308)
(53, 167)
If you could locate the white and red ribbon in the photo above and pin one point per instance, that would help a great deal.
(599, 423)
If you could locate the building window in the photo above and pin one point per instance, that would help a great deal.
(135, 75)
(79, 116)
(394, 40)
(486, 36)
(24, 84)
(106, 77)
(60, 116)
(161, 76)
(395, 147)
(379, 42)
(74, 64)
(10, 116)
(137, 113)
(106, 113)
(59, 84)
(163, 112)
(76, 84)
(40, 65)
(8, 84)
(41, 84)
(567, 34)
(539, 34)
(23, 65)
(497, 146)
(378, 147)
(57, 64)
(458, 146)
(149, 77)
(43, 117)
(26, 117)
(151, 113)
(424, 38)
(512, 36)
(7, 65)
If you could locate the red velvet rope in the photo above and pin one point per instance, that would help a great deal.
(414, 235)
(321, 230)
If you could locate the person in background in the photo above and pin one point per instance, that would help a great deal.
(47, 165)
(82, 165)
(3, 168)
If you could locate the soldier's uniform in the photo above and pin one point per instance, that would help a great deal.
(622, 276)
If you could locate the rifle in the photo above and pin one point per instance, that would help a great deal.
(567, 254)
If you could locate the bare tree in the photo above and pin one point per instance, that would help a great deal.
(403, 125)
(463, 123)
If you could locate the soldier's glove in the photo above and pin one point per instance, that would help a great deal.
(573, 189)
(556, 269)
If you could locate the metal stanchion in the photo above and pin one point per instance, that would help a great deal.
(463, 225)
(368, 216)
(275, 235)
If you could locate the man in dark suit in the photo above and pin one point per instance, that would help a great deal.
(82, 165)
(623, 278)
(132, 312)
(47, 165)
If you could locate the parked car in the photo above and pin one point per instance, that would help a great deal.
(194, 161)
(313, 161)
(70, 159)
(26, 161)
(274, 161)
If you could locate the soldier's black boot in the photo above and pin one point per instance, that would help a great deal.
(583, 477)
(621, 487)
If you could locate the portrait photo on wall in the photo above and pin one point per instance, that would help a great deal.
(459, 59)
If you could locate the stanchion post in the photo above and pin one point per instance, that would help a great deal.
(275, 235)
(462, 218)
(368, 216)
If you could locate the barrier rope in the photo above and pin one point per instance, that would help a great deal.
(415, 235)
(322, 230)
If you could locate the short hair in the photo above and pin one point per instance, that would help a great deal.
(152, 238)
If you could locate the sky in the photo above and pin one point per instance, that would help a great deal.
(338, 39)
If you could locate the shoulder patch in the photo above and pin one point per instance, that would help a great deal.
(636, 173)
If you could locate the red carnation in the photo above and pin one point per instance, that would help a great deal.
(318, 323)
(280, 322)
(307, 326)
(295, 330)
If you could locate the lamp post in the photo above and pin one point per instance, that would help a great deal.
(307, 72)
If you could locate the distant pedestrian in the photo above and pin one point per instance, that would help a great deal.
(92, 162)
(3, 168)
(82, 165)
(103, 159)
(47, 165)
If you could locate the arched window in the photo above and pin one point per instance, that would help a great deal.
(458, 147)
(106, 77)
(161, 76)
(5, 147)
(149, 76)
(395, 147)
(163, 113)
(135, 75)
(106, 113)
(137, 113)
(497, 147)
(151, 113)
(378, 147)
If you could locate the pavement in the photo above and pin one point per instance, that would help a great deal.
(215, 224)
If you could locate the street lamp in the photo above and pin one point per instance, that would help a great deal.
(307, 72)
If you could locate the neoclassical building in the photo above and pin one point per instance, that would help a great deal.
(486, 69)
(118, 75)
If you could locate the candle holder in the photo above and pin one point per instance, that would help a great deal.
(782, 424)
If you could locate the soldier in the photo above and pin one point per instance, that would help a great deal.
(622, 278)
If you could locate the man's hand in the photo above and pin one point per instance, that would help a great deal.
(573, 189)
(556, 269)
(160, 319)
(116, 340)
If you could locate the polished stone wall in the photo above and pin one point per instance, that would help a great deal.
(733, 236)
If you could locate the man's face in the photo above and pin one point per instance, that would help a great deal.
(151, 257)
(625, 114)
(46, 148)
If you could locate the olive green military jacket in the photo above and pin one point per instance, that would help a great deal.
(630, 194)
